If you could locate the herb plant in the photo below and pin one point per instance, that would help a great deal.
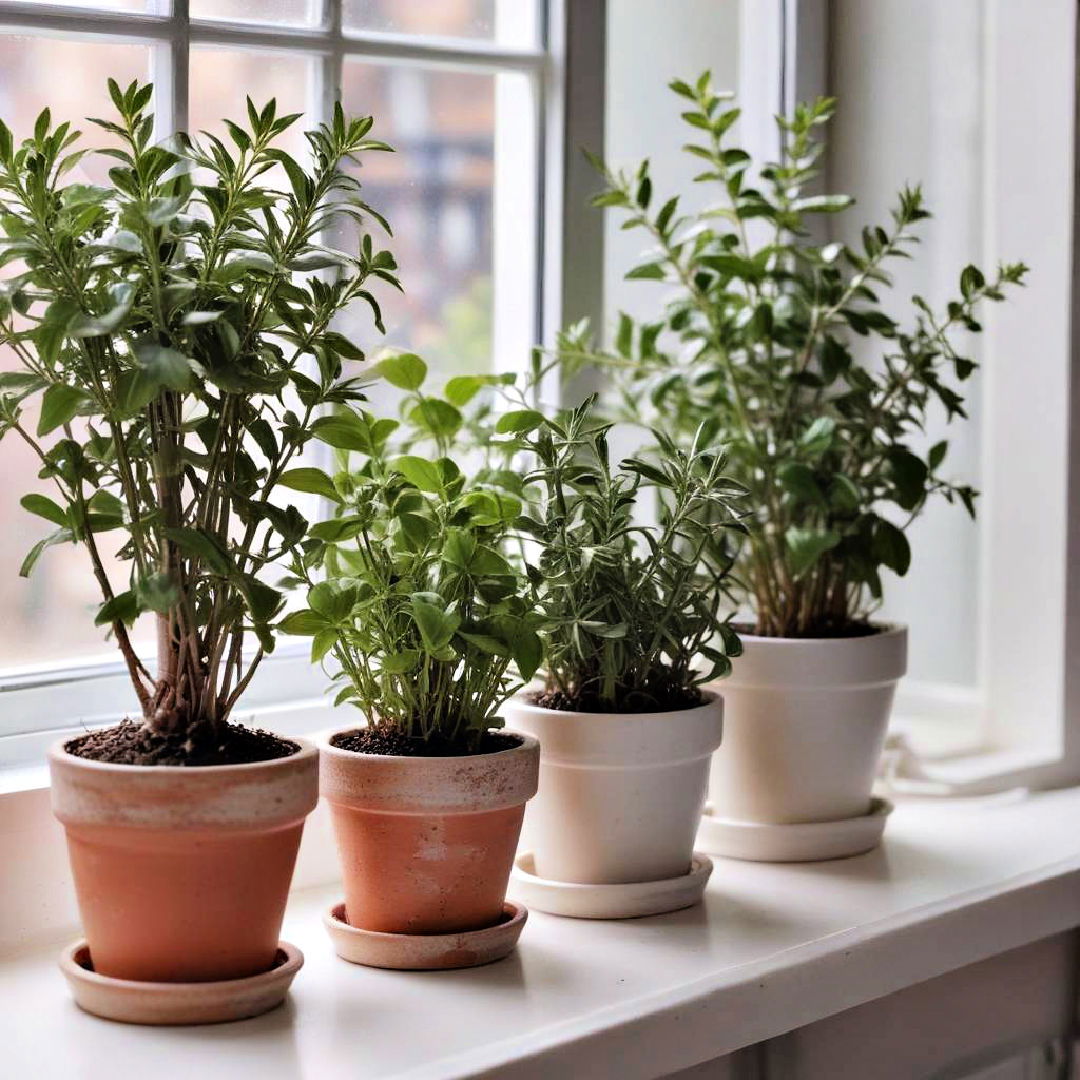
(757, 336)
(422, 614)
(627, 607)
(177, 364)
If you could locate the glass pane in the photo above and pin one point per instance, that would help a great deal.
(222, 79)
(290, 12)
(459, 193)
(50, 616)
(508, 22)
(108, 5)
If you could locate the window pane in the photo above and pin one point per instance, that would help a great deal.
(222, 80)
(508, 22)
(50, 616)
(291, 12)
(460, 196)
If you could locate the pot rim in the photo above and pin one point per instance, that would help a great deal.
(325, 746)
(885, 630)
(710, 698)
(58, 752)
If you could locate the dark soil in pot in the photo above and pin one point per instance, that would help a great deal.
(829, 630)
(394, 743)
(132, 743)
(639, 703)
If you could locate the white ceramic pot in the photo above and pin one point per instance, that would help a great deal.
(620, 794)
(805, 722)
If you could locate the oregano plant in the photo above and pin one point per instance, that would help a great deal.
(757, 338)
(426, 626)
(174, 353)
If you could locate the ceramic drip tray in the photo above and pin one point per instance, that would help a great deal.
(624, 901)
(426, 952)
(814, 841)
(133, 1002)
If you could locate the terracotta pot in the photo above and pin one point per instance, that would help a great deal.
(182, 873)
(426, 844)
(620, 793)
(805, 725)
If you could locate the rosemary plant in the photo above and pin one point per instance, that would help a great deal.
(179, 363)
(757, 336)
(628, 608)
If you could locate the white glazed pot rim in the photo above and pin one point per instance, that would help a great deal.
(834, 663)
(254, 795)
(406, 784)
(623, 740)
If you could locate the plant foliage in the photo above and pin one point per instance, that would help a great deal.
(177, 353)
(627, 607)
(758, 336)
(421, 610)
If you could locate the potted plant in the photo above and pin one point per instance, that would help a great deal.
(768, 334)
(629, 609)
(170, 368)
(423, 620)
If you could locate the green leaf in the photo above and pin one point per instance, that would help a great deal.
(647, 272)
(263, 600)
(519, 421)
(322, 643)
(528, 653)
(806, 546)
(61, 536)
(406, 371)
(165, 366)
(157, 593)
(302, 623)
(435, 417)
(420, 472)
(817, 438)
(59, 404)
(910, 475)
(196, 544)
(436, 627)
(123, 608)
(891, 547)
(799, 481)
(312, 481)
(399, 663)
(345, 430)
(44, 507)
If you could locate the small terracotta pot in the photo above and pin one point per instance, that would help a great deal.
(427, 844)
(182, 873)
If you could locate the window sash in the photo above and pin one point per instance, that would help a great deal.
(42, 700)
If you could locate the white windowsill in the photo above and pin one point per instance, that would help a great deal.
(773, 948)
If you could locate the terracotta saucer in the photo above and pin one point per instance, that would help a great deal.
(132, 1002)
(629, 901)
(814, 841)
(425, 952)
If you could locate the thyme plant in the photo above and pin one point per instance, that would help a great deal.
(757, 336)
(627, 607)
(177, 365)
(430, 626)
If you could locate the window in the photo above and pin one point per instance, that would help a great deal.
(977, 100)
(470, 94)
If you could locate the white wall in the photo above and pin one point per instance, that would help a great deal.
(975, 99)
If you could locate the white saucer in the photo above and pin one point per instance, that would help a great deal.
(813, 841)
(609, 901)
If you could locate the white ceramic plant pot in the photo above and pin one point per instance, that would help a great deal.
(805, 722)
(620, 794)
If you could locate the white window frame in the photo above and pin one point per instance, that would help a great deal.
(784, 48)
(40, 703)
